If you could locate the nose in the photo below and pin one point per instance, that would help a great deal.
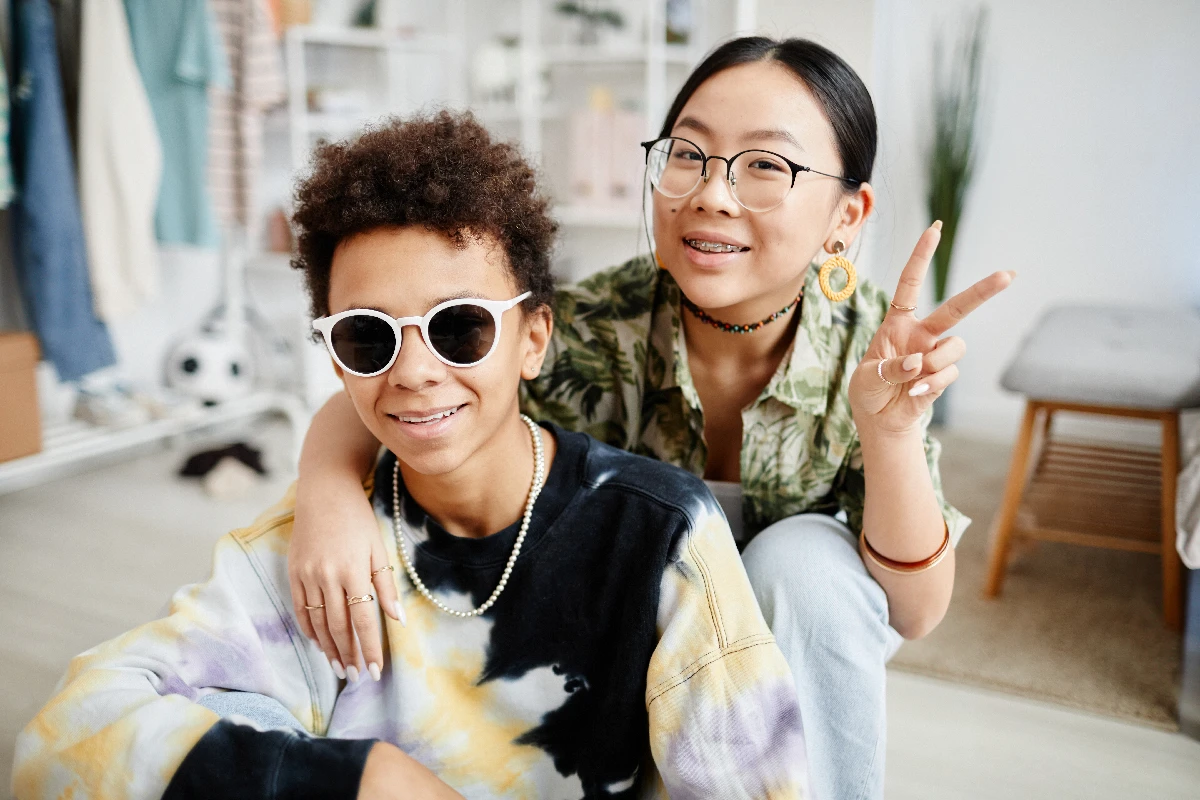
(416, 367)
(715, 193)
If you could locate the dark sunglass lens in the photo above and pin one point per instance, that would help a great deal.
(462, 334)
(363, 343)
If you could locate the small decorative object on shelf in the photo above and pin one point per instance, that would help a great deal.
(495, 69)
(593, 19)
(604, 172)
(679, 21)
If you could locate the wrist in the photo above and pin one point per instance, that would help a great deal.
(873, 436)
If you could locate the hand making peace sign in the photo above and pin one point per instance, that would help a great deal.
(906, 366)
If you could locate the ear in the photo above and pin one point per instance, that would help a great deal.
(539, 327)
(851, 213)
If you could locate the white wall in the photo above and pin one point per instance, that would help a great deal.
(1089, 184)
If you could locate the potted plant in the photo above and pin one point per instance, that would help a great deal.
(593, 18)
(954, 145)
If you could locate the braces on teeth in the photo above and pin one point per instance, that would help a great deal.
(713, 247)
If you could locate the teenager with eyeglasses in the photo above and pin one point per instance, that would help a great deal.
(578, 621)
(729, 351)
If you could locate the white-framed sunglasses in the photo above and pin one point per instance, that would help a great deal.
(460, 333)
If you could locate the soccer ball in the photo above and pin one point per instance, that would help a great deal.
(210, 367)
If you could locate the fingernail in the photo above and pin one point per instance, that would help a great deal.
(352, 673)
(937, 225)
(337, 669)
(399, 611)
(373, 668)
(912, 362)
(916, 391)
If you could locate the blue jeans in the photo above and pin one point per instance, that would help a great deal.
(47, 229)
(830, 618)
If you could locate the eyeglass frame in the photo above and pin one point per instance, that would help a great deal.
(796, 170)
(324, 326)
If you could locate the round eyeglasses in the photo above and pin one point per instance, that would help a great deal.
(759, 180)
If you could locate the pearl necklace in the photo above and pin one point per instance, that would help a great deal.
(539, 475)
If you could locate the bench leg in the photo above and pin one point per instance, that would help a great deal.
(1014, 487)
(1172, 568)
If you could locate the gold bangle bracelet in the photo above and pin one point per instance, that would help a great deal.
(904, 567)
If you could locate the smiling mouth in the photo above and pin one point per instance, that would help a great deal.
(705, 246)
(429, 419)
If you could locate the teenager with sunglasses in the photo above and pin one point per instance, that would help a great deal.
(578, 621)
(730, 352)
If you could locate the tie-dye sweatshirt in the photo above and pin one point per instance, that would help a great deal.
(627, 657)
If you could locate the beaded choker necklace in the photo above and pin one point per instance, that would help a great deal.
(729, 327)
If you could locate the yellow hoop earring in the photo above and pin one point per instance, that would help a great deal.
(838, 261)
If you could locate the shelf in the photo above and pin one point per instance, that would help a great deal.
(368, 38)
(598, 217)
(508, 112)
(672, 54)
(334, 124)
(76, 442)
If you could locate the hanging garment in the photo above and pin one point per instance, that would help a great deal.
(236, 127)
(180, 56)
(120, 165)
(6, 178)
(48, 245)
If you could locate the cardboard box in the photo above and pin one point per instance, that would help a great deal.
(20, 422)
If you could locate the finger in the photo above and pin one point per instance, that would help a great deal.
(930, 388)
(337, 617)
(389, 601)
(951, 312)
(365, 618)
(899, 370)
(298, 596)
(908, 290)
(317, 618)
(383, 577)
(946, 352)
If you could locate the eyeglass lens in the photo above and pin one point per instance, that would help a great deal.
(461, 334)
(758, 179)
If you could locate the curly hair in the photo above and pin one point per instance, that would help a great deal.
(443, 172)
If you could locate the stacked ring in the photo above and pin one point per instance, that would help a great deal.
(366, 598)
(880, 371)
(388, 568)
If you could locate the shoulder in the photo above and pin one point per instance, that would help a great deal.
(622, 293)
(649, 481)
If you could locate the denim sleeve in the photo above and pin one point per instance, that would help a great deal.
(235, 761)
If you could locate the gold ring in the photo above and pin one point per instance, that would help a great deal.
(388, 568)
(902, 308)
(366, 598)
(314, 608)
(880, 371)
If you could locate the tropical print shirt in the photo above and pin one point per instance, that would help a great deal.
(626, 659)
(617, 369)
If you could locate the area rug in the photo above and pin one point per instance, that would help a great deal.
(1077, 626)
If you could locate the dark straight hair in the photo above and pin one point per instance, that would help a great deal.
(837, 87)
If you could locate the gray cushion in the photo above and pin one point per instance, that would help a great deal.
(1137, 357)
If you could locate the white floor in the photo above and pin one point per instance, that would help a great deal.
(91, 555)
